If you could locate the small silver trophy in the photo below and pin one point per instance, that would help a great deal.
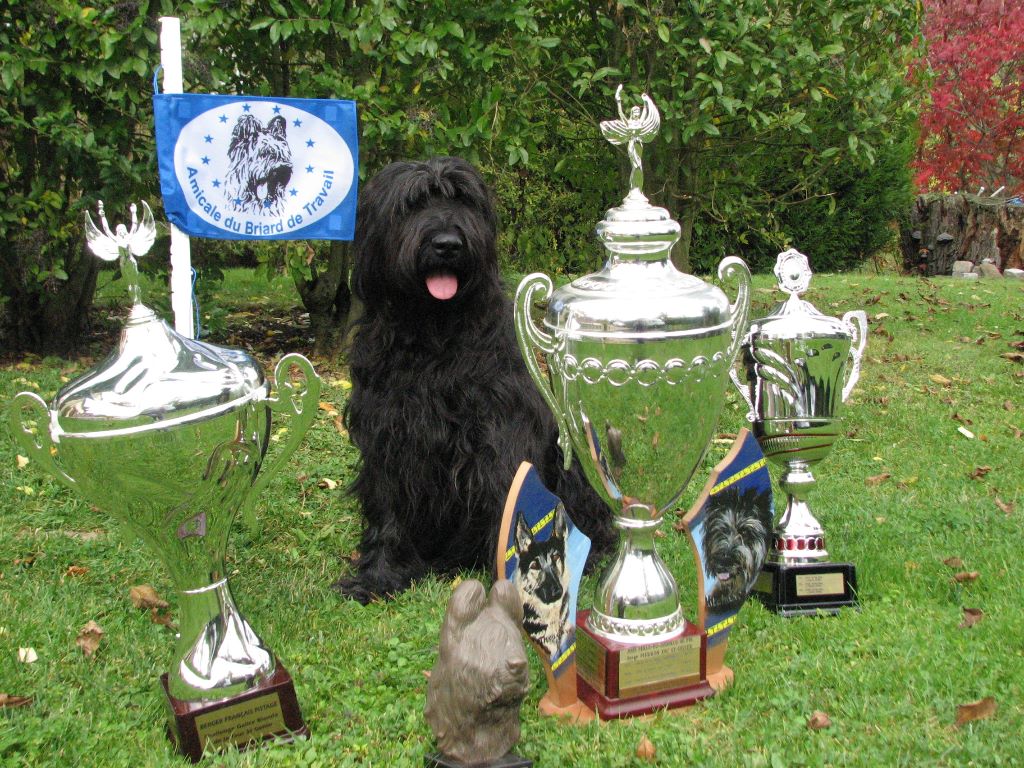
(794, 363)
(170, 434)
(638, 357)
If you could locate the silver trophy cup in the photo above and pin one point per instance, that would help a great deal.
(798, 367)
(637, 359)
(170, 435)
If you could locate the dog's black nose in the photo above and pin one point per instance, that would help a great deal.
(446, 244)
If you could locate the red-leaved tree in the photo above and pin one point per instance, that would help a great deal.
(972, 125)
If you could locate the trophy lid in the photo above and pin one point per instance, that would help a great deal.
(639, 292)
(156, 377)
(795, 318)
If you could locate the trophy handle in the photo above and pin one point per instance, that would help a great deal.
(733, 268)
(744, 393)
(774, 368)
(857, 321)
(298, 400)
(37, 442)
(531, 337)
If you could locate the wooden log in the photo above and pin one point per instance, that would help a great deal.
(942, 229)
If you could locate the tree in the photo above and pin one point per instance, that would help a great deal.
(741, 84)
(972, 125)
(73, 129)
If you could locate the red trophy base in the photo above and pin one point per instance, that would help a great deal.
(627, 680)
(268, 711)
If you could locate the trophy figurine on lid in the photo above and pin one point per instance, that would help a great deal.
(638, 358)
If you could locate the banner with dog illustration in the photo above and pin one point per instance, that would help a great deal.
(256, 167)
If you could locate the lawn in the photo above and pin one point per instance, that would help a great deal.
(925, 494)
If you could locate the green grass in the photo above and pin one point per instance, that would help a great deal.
(890, 676)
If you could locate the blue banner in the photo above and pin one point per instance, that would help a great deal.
(256, 167)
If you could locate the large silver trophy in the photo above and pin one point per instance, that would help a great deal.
(638, 357)
(794, 363)
(170, 434)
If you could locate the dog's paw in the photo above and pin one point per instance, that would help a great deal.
(354, 589)
(365, 587)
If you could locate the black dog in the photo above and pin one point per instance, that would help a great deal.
(737, 532)
(442, 407)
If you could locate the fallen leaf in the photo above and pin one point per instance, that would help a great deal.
(144, 596)
(1014, 357)
(326, 482)
(953, 562)
(819, 720)
(966, 577)
(881, 316)
(10, 702)
(940, 379)
(89, 638)
(162, 618)
(655, 440)
(971, 617)
(976, 710)
(76, 570)
(22, 461)
(646, 750)
(329, 408)
(980, 472)
(1005, 506)
(27, 655)
(1007, 405)
(961, 419)
(339, 425)
(876, 479)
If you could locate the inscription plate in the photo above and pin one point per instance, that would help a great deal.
(812, 584)
(239, 724)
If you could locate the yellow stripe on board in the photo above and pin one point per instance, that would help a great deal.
(564, 657)
(748, 470)
(724, 624)
(542, 522)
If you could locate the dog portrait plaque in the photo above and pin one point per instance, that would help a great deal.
(542, 553)
(730, 530)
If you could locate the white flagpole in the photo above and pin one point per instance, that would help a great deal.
(181, 256)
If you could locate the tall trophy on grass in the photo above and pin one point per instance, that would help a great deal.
(798, 367)
(638, 358)
(170, 435)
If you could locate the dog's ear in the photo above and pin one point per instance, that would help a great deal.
(277, 127)
(559, 524)
(468, 599)
(524, 537)
(505, 597)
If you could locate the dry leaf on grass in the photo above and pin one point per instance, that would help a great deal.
(28, 655)
(646, 750)
(876, 479)
(10, 702)
(971, 617)
(144, 596)
(966, 577)
(1005, 506)
(89, 638)
(953, 562)
(1013, 357)
(976, 710)
(22, 461)
(980, 472)
(819, 720)
(939, 379)
(326, 482)
(162, 617)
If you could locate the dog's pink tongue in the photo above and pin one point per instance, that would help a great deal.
(442, 285)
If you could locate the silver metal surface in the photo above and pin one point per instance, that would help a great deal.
(798, 367)
(637, 359)
(170, 435)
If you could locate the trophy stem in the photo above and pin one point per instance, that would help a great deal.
(799, 537)
(637, 599)
(218, 653)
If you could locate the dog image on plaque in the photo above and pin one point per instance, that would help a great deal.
(730, 530)
(542, 553)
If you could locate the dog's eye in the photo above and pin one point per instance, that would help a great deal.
(534, 566)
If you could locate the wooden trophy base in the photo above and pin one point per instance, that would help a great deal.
(719, 675)
(437, 760)
(804, 589)
(268, 711)
(626, 680)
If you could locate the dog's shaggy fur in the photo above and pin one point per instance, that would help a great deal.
(737, 532)
(261, 165)
(442, 407)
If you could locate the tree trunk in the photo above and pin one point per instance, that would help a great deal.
(947, 228)
(48, 317)
(327, 298)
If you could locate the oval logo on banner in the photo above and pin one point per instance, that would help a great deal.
(261, 168)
